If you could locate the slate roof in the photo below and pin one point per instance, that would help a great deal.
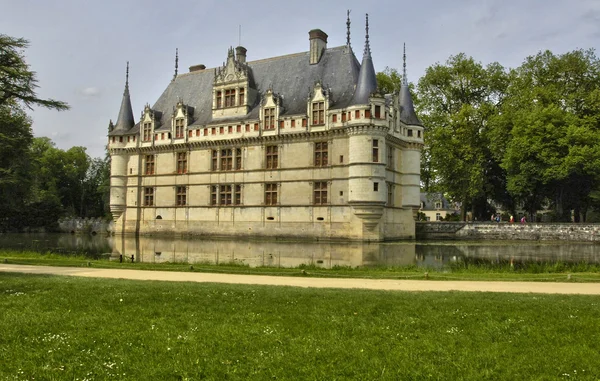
(428, 201)
(407, 109)
(125, 119)
(290, 76)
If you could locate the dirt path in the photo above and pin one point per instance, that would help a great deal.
(371, 284)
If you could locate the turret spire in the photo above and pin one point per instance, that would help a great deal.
(367, 81)
(348, 29)
(125, 120)
(176, 62)
(407, 109)
(404, 78)
(367, 47)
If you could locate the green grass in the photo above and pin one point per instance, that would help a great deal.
(59, 328)
(484, 270)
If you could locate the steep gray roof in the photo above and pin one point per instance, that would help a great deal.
(291, 77)
(367, 80)
(428, 201)
(407, 109)
(125, 120)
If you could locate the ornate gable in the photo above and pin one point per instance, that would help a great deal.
(232, 95)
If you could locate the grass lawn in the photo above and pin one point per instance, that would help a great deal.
(63, 328)
(481, 270)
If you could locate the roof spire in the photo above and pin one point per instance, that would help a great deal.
(367, 47)
(127, 78)
(176, 62)
(348, 29)
(404, 79)
(125, 119)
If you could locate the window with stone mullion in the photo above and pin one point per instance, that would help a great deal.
(226, 159)
(321, 154)
(320, 193)
(229, 97)
(269, 119)
(179, 132)
(272, 157)
(147, 132)
(318, 113)
(271, 194)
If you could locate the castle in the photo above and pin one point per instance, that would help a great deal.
(295, 146)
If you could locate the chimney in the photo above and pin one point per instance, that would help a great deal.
(240, 53)
(197, 68)
(318, 44)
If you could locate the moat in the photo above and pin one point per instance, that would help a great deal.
(433, 254)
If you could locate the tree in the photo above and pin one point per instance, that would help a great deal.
(389, 81)
(549, 132)
(17, 81)
(456, 102)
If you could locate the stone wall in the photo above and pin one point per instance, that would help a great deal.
(507, 231)
(85, 226)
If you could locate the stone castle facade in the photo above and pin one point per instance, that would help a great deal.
(296, 146)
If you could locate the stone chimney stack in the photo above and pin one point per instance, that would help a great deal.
(240, 53)
(318, 44)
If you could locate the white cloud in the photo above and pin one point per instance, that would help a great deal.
(90, 91)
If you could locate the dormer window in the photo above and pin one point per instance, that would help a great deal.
(219, 99)
(241, 98)
(230, 98)
(269, 120)
(179, 132)
(318, 113)
(147, 134)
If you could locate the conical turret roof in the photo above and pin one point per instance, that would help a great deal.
(407, 109)
(367, 81)
(125, 121)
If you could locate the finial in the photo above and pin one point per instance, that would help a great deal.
(176, 62)
(127, 76)
(367, 47)
(404, 79)
(348, 29)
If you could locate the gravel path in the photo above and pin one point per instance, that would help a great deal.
(371, 284)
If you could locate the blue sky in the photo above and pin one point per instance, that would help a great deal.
(79, 48)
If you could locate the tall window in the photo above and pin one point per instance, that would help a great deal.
(238, 159)
(181, 162)
(214, 165)
(375, 151)
(320, 154)
(271, 194)
(240, 96)
(181, 196)
(225, 195)
(320, 193)
(226, 159)
(237, 200)
(230, 98)
(147, 132)
(390, 156)
(219, 99)
(213, 195)
(149, 167)
(390, 194)
(148, 196)
(269, 119)
(318, 113)
(272, 157)
(378, 112)
(179, 128)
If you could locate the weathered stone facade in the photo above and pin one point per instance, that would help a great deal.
(246, 150)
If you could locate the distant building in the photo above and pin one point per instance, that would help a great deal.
(435, 207)
(301, 145)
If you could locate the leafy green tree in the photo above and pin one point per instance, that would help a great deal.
(389, 81)
(549, 132)
(456, 102)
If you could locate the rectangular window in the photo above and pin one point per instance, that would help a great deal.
(238, 159)
(241, 99)
(281, 124)
(214, 166)
(149, 167)
(190, 133)
(147, 132)
(181, 162)
(225, 195)
(197, 132)
(375, 151)
(237, 200)
(272, 157)
(162, 136)
(179, 129)
(293, 123)
(128, 139)
(321, 154)
(390, 194)
(213, 131)
(341, 159)
(181, 196)
(247, 128)
(271, 194)
(206, 132)
(378, 112)
(410, 132)
(213, 195)
(390, 156)
(334, 118)
(303, 122)
(320, 193)
(120, 139)
(255, 126)
(238, 128)
(269, 121)
(418, 133)
(230, 98)
(375, 187)
(357, 114)
(367, 114)
(438, 216)
(226, 159)
(148, 196)
(230, 129)
(221, 130)
(219, 99)
(318, 113)
(343, 117)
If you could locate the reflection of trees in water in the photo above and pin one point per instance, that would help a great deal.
(57, 243)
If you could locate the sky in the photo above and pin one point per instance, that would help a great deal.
(79, 49)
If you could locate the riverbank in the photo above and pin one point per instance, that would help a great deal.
(487, 231)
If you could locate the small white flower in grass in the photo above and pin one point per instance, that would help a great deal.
(120, 300)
